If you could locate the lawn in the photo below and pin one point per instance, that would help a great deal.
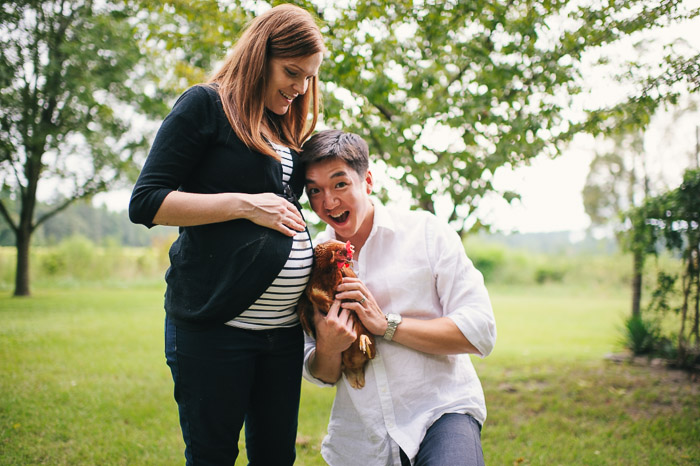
(83, 381)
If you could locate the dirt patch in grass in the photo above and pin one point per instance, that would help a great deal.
(592, 413)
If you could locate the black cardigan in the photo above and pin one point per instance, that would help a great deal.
(216, 270)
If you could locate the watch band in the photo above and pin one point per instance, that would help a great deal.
(393, 321)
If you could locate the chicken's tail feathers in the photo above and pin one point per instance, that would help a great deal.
(305, 310)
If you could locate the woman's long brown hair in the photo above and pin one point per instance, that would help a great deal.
(285, 31)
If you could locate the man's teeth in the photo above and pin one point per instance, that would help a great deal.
(336, 216)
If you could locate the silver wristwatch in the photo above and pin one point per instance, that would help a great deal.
(393, 321)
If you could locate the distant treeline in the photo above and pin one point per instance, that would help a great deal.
(102, 225)
(554, 242)
(98, 224)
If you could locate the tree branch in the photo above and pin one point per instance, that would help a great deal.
(7, 217)
(383, 110)
(372, 136)
(19, 180)
(100, 186)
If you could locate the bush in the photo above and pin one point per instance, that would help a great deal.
(78, 260)
(642, 336)
(53, 264)
(548, 274)
(488, 260)
(506, 265)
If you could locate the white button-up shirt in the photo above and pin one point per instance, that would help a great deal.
(414, 265)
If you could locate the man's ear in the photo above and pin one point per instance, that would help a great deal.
(369, 181)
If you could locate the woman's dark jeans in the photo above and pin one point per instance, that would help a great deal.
(224, 376)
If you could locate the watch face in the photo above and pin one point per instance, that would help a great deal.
(393, 321)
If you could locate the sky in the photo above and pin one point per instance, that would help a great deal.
(551, 189)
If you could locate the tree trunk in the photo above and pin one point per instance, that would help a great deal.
(25, 227)
(638, 265)
(695, 258)
(686, 285)
(427, 204)
(22, 276)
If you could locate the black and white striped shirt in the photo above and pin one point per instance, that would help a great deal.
(276, 307)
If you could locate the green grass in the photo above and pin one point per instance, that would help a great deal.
(83, 380)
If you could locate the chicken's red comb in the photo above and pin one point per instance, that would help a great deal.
(349, 250)
(348, 256)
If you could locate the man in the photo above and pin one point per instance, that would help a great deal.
(422, 402)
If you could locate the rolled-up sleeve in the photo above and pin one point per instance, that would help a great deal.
(461, 288)
(309, 347)
(176, 150)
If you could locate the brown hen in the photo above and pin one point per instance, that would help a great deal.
(331, 264)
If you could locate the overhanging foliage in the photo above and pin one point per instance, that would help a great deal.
(672, 220)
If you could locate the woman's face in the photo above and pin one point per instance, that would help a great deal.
(289, 78)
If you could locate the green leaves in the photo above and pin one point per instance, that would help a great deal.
(185, 39)
(672, 221)
(72, 66)
(71, 76)
(451, 91)
(446, 93)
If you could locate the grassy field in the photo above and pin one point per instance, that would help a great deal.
(83, 381)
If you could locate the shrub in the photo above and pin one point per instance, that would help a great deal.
(488, 260)
(641, 336)
(548, 274)
(53, 264)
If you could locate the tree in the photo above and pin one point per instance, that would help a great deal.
(448, 92)
(618, 182)
(445, 92)
(672, 219)
(185, 39)
(71, 79)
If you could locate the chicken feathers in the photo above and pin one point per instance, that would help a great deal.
(331, 264)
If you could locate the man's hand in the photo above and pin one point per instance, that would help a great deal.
(334, 331)
(362, 302)
(334, 334)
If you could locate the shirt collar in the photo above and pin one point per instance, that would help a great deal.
(382, 218)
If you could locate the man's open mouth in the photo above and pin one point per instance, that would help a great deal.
(341, 217)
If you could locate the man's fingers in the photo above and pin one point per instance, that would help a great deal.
(333, 311)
